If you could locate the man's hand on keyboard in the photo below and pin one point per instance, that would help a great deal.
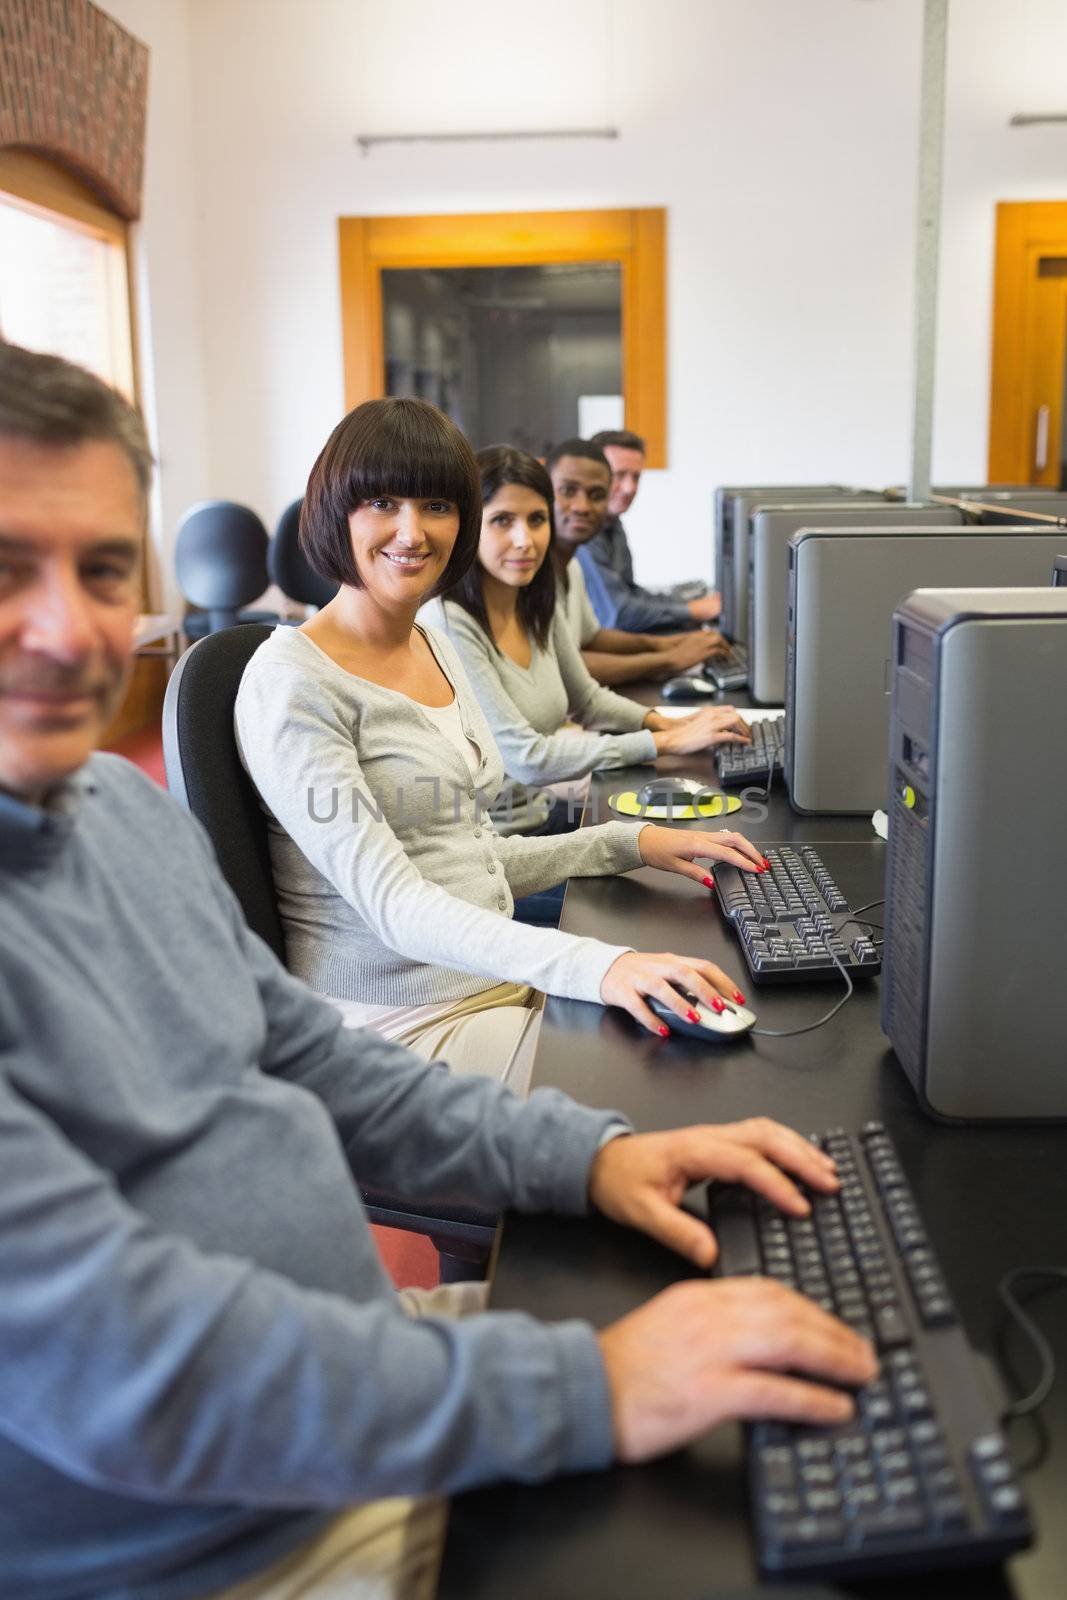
(684, 650)
(703, 1353)
(641, 1179)
(678, 850)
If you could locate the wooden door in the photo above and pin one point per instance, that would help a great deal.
(1026, 413)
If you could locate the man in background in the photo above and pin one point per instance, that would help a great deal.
(627, 604)
(581, 485)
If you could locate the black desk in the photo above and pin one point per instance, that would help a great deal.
(762, 816)
(993, 1198)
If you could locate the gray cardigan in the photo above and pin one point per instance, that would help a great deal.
(393, 885)
(200, 1353)
(527, 707)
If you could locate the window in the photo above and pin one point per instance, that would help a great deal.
(510, 353)
(524, 326)
(63, 275)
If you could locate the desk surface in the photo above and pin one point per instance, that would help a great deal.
(993, 1198)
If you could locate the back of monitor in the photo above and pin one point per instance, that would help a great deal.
(771, 530)
(844, 587)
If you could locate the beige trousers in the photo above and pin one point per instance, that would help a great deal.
(386, 1549)
(492, 1034)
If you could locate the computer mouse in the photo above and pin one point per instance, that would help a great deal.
(687, 691)
(714, 1027)
(674, 792)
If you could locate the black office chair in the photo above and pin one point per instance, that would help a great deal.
(204, 772)
(220, 561)
(290, 568)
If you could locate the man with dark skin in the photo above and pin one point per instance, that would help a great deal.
(581, 484)
(632, 605)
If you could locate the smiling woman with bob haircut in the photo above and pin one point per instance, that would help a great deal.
(376, 767)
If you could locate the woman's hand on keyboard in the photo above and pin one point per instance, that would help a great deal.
(709, 726)
(703, 1353)
(677, 850)
(635, 974)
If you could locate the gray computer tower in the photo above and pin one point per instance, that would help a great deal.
(733, 508)
(770, 531)
(844, 585)
(974, 997)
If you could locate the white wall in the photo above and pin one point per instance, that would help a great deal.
(780, 134)
(1004, 58)
(167, 287)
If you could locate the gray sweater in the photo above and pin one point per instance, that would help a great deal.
(573, 596)
(199, 1350)
(393, 884)
(527, 707)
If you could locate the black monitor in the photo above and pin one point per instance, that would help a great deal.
(1059, 572)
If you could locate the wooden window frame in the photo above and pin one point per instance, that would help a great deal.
(633, 240)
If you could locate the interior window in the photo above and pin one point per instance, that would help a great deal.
(64, 290)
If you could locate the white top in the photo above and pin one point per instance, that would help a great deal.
(448, 721)
(394, 887)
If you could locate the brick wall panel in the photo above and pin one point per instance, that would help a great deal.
(74, 87)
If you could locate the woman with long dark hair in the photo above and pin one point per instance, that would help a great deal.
(551, 720)
(375, 763)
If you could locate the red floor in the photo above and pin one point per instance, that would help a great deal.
(410, 1258)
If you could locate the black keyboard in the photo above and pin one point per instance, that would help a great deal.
(793, 920)
(729, 671)
(765, 755)
(921, 1477)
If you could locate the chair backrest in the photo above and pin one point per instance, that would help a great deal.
(290, 568)
(220, 555)
(204, 771)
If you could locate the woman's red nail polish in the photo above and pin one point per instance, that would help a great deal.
(739, 997)
(766, 863)
(709, 883)
(717, 1005)
(692, 1016)
(664, 1031)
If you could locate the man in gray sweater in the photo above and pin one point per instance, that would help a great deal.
(203, 1367)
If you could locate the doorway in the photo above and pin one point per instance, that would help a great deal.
(1028, 405)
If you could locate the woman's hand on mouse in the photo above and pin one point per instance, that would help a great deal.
(711, 725)
(677, 850)
(635, 974)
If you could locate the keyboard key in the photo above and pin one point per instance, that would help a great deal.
(894, 1522)
(807, 1533)
(889, 1327)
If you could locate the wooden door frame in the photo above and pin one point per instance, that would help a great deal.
(1025, 231)
(635, 240)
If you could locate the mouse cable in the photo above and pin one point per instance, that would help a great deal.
(868, 907)
(809, 1027)
(820, 1022)
(1054, 1277)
